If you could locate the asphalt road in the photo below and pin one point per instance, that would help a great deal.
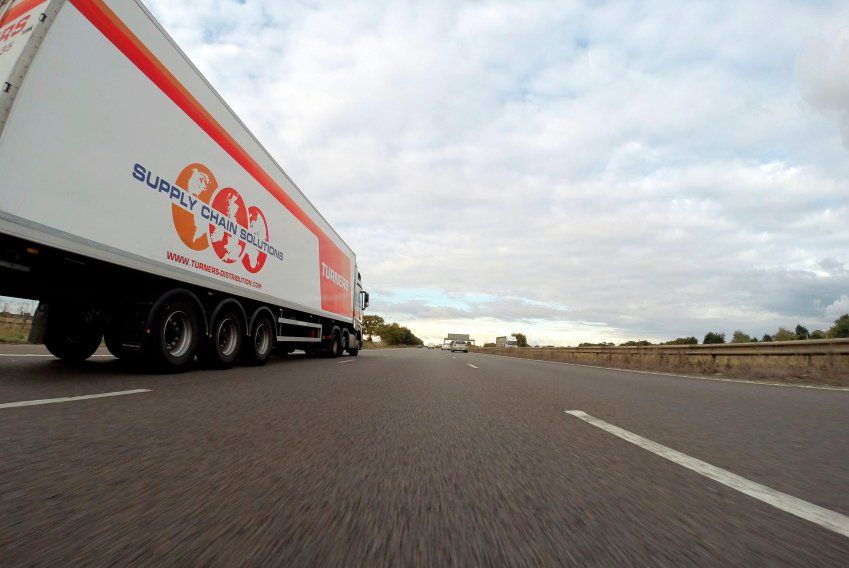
(408, 457)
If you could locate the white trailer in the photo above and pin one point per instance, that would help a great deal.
(506, 341)
(138, 208)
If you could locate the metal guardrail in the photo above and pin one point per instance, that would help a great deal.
(15, 319)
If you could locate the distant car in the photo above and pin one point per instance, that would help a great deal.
(419, 346)
(446, 347)
(459, 345)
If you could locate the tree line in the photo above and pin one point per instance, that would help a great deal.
(800, 333)
(839, 329)
(389, 333)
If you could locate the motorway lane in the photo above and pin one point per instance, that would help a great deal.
(408, 457)
(792, 439)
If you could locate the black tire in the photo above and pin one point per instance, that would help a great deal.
(354, 351)
(123, 333)
(113, 340)
(257, 347)
(71, 336)
(336, 343)
(226, 332)
(175, 335)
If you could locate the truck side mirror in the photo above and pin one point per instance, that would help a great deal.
(365, 299)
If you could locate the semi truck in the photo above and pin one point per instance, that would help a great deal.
(506, 341)
(139, 211)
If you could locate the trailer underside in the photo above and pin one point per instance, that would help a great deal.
(160, 322)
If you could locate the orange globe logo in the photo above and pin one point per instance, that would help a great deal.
(220, 219)
(197, 180)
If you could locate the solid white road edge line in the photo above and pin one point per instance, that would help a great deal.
(720, 379)
(823, 517)
(69, 398)
(472, 366)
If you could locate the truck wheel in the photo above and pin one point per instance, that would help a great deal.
(113, 340)
(336, 343)
(353, 351)
(71, 336)
(175, 334)
(224, 343)
(256, 349)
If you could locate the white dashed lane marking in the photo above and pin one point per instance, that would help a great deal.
(69, 398)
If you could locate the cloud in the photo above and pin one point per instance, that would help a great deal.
(823, 70)
(838, 308)
(655, 172)
(507, 310)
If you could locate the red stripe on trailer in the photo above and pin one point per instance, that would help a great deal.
(110, 25)
(20, 9)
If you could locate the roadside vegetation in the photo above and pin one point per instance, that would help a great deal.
(12, 334)
(390, 334)
(14, 324)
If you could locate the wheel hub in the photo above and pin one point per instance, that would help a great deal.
(177, 334)
(226, 337)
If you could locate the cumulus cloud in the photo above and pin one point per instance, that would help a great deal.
(585, 171)
(839, 307)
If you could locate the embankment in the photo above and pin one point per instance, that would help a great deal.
(14, 328)
(822, 362)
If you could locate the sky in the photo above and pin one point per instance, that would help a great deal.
(597, 171)
(577, 171)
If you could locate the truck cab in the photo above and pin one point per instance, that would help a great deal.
(361, 301)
